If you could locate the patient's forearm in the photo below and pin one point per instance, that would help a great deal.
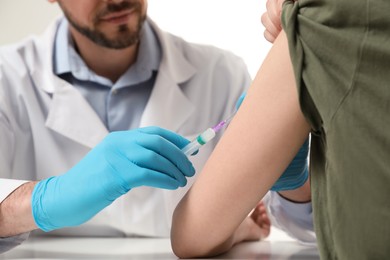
(15, 212)
(244, 232)
(300, 195)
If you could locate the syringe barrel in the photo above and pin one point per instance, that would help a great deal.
(191, 147)
(202, 139)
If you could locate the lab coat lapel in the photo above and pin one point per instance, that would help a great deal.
(72, 116)
(168, 107)
(69, 114)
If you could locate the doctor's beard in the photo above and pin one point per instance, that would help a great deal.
(126, 37)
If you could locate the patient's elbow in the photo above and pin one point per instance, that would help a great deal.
(187, 243)
(188, 250)
(185, 246)
(191, 237)
(190, 242)
(180, 249)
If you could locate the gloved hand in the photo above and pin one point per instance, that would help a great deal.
(297, 172)
(123, 160)
(240, 99)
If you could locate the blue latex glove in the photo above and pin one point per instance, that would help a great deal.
(123, 160)
(297, 172)
(240, 99)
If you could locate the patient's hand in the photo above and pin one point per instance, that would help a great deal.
(260, 218)
(256, 226)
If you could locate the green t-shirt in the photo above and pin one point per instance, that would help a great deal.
(340, 51)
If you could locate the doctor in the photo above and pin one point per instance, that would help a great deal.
(105, 69)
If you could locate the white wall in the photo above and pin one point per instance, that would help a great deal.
(19, 18)
(230, 24)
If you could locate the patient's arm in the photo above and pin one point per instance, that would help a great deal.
(260, 142)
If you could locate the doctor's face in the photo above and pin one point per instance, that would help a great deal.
(110, 23)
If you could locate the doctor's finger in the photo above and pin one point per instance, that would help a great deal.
(170, 151)
(172, 137)
(159, 180)
(153, 161)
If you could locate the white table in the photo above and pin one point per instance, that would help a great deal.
(146, 248)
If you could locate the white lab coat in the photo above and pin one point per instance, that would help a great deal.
(46, 126)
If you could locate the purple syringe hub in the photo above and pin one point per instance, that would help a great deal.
(219, 126)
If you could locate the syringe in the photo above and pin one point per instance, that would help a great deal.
(204, 137)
